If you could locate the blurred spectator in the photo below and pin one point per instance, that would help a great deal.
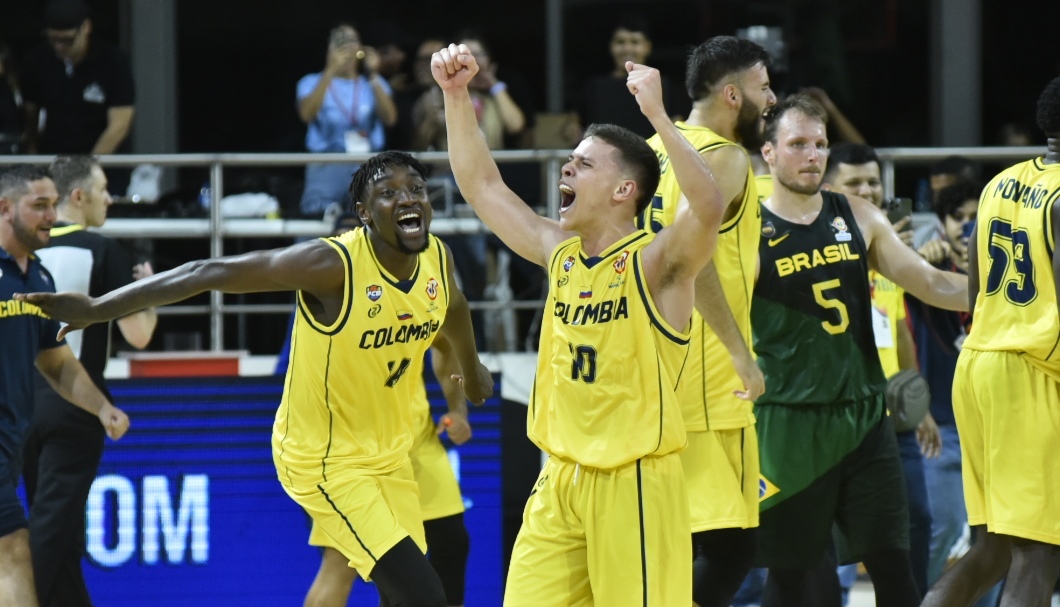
(604, 99)
(394, 46)
(346, 107)
(1015, 134)
(11, 112)
(78, 90)
(944, 173)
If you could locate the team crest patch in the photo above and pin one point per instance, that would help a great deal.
(432, 288)
(374, 292)
(620, 263)
(841, 233)
(766, 489)
(568, 263)
(768, 230)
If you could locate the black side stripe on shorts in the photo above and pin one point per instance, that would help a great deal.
(331, 415)
(347, 521)
(643, 545)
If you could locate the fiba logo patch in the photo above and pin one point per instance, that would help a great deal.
(620, 263)
(568, 263)
(432, 288)
(374, 310)
(374, 292)
(768, 230)
(841, 233)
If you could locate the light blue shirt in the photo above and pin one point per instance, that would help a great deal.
(348, 105)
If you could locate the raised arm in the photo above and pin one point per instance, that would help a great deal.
(714, 308)
(892, 258)
(528, 234)
(313, 267)
(459, 336)
(70, 380)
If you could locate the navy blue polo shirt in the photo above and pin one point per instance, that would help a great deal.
(24, 331)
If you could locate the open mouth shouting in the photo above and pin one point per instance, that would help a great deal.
(566, 197)
(410, 222)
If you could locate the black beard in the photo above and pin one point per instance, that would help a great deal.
(748, 126)
(404, 248)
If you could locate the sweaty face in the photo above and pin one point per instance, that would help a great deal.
(629, 46)
(33, 215)
(859, 180)
(797, 159)
(588, 183)
(397, 209)
(96, 198)
(756, 97)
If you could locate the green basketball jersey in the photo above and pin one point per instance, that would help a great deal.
(811, 311)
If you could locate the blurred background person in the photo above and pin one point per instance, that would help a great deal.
(346, 108)
(11, 111)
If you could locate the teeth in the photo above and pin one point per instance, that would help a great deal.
(566, 189)
(409, 215)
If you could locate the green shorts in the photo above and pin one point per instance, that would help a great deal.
(823, 465)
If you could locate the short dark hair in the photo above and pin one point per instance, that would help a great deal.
(65, 14)
(380, 161)
(15, 179)
(1049, 108)
(798, 102)
(70, 173)
(955, 165)
(718, 57)
(632, 22)
(634, 154)
(951, 197)
(849, 153)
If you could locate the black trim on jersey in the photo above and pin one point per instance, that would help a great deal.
(591, 262)
(533, 396)
(445, 269)
(643, 542)
(555, 256)
(743, 456)
(1047, 220)
(1055, 344)
(405, 286)
(349, 525)
(286, 389)
(703, 374)
(331, 416)
(1037, 160)
(646, 299)
(349, 308)
(662, 403)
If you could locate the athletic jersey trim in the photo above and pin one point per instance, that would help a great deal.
(591, 262)
(643, 543)
(64, 230)
(405, 286)
(1047, 218)
(347, 296)
(656, 319)
(445, 270)
(349, 525)
(331, 415)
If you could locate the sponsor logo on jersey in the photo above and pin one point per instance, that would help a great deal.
(768, 230)
(620, 263)
(432, 288)
(563, 280)
(374, 292)
(374, 310)
(775, 241)
(568, 263)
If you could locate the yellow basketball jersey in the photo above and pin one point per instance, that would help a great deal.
(764, 185)
(608, 363)
(707, 384)
(888, 309)
(348, 396)
(1016, 307)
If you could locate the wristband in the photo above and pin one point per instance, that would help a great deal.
(498, 88)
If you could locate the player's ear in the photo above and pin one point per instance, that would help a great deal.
(768, 153)
(731, 94)
(362, 212)
(626, 190)
(6, 204)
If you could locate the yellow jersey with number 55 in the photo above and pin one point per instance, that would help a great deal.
(1016, 308)
(347, 397)
(608, 363)
(707, 385)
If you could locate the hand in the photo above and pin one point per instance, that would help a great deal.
(906, 236)
(453, 67)
(114, 421)
(143, 270)
(935, 251)
(646, 85)
(370, 63)
(820, 96)
(754, 381)
(456, 425)
(75, 309)
(478, 386)
(927, 434)
(339, 58)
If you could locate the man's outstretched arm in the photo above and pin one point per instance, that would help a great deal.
(528, 234)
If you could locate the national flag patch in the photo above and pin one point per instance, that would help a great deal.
(404, 314)
(766, 489)
(585, 293)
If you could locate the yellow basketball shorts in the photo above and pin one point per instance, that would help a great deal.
(612, 537)
(359, 513)
(1008, 417)
(439, 492)
(721, 476)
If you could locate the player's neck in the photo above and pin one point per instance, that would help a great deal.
(400, 264)
(706, 115)
(68, 214)
(14, 248)
(793, 206)
(1052, 150)
(598, 238)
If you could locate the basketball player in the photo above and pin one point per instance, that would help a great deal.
(370, 303)
(728, 80)
(607, 521)
(1006, 392)
(441, 504)
(828, 447)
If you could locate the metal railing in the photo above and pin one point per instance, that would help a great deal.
(216, 228)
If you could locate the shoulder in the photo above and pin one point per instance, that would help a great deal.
(309, 80)
(727, 155)
(567, 247)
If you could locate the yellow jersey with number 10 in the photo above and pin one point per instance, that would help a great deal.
(1016, 307)
(608, 363)
(709, 379)
(347, 398)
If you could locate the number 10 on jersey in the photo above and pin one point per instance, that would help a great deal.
(583, 363)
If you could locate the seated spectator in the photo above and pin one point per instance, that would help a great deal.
(346, 108)
(604, 99)
(84, 85)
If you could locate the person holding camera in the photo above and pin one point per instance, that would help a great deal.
(346, 108)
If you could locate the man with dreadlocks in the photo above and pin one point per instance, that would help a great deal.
(370, 303)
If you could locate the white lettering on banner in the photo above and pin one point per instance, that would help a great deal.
(186, 525)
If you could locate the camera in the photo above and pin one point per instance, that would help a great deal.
(897, 208)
